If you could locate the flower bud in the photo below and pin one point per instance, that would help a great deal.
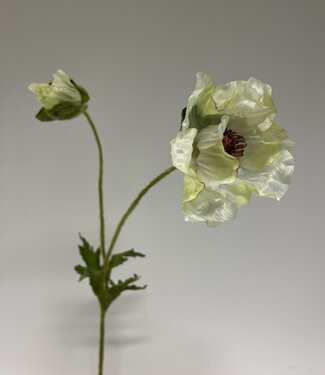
(62, 99)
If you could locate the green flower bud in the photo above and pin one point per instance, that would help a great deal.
(62, 99)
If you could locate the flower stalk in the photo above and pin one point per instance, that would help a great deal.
(101, 352)
(100, 184)
(132, 207)
(106, 256)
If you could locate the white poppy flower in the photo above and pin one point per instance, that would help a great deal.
(229, 147)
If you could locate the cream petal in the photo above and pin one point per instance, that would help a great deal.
(258, 154)
(223, 95)
(192, 186)
(249, 103)
(264, 148)
(45, 94)
(64, 88)
(263, 89)
(210, 135)
(274, 181)
(203, 83)
(241, 192)
(214, 165)
(209, 206)
(216, 206)
(61, 78)
(61, 90)
(182, 148)
(203, 111)
(38, 88)
(213, 224)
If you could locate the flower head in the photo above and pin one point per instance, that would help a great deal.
(229, 147)
(62, 98)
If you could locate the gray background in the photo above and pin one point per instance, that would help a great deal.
(247, 298)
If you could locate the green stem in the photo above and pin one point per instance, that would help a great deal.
(100, 184)
(102, 242)
(132, 207)
(101, 341)
(106, 256)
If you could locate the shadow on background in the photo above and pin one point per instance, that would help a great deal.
(126, 323)
(77, 327)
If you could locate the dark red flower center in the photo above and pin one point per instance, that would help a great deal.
(233, 143)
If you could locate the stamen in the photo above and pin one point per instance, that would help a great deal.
(233, 143)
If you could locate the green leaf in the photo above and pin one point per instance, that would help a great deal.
(90, 256)
(44, 116)
(83, 271)
(103, 287)
(116, 289)
(120, 258)
(95, 281)
(93, 269)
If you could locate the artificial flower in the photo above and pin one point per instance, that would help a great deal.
(228, 148)
(62, 98)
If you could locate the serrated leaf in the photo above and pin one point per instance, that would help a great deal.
(95, 281)
(44, 116)
(103, 287)
(90, 256)
(120, 258)
(83, 272)
(116, 289)
(93, 269)
(95, 278)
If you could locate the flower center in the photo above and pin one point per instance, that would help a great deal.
(233, 143)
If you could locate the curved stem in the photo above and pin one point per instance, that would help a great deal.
(100, 184)
(106, 256)
(131, 209)
(102, 242)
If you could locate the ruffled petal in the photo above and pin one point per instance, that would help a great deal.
(209, 206)
(203, 83)
(192, 186)
(214, 165)
(182, 148)
(274, 181)
(61, 90)
(223, 95)
(45, 94)
(249, 103)
(65, 89)
(201, 109)
(212, 134)
(241, 192)
(216, 207)
(264, 148)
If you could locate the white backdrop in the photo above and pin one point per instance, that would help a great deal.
(247, 298)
